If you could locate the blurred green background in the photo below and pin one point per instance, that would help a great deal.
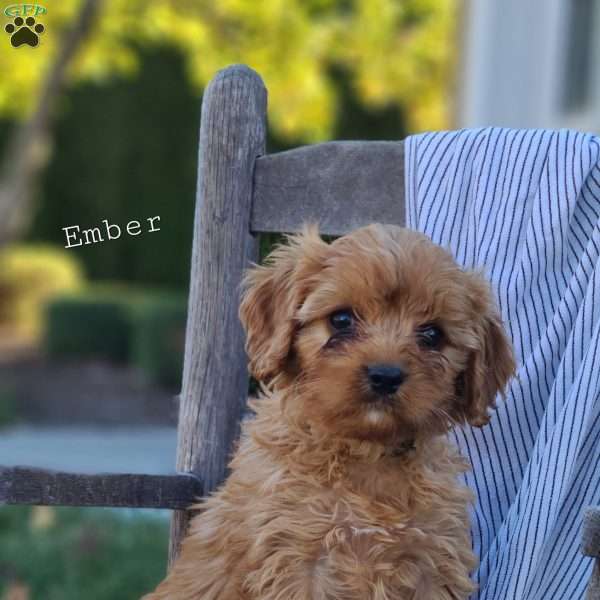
(100, 121)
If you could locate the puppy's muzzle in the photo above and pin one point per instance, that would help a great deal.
(385, 379)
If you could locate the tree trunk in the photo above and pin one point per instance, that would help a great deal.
(27, 152)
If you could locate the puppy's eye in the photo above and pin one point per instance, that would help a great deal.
(430, 336)
(342, 319)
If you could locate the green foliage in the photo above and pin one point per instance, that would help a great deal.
(159, 338)
(136, 160)
(398, 52)
(95, 323)
(8, 406)
(267, 242)
(124, 324)
(30, 275)
(84, 553)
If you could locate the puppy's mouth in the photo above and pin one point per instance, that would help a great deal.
(380, 401)
(379, 412)
(380, 408)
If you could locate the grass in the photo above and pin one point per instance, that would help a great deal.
(81, 554)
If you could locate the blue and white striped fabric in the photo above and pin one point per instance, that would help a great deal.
(525, 206)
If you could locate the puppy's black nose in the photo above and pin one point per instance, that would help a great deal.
(385, 379)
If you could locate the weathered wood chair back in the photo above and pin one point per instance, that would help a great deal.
(241, 192)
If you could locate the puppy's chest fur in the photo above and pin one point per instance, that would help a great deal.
(389, 528)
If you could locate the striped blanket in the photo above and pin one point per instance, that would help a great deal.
(525, 206)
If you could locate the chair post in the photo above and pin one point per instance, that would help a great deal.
(215, 378)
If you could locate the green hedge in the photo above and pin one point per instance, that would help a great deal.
(9, 411)
(159, 338)
(94, 323)
(131, 164)
(122, 324)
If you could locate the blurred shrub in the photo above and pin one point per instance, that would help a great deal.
(30, 275)
(159, 338)
(88, 325)
(133, 164)
(121, 323)
(91, 554)
(8, 406)
(95, 322)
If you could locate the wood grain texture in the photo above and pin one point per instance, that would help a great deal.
(590, 536)
(340, 185)
(27, 485)
(215, 378)
(593, 590)
(590, 546)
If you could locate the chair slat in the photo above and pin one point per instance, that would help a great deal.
(28, 485)
(339, 185)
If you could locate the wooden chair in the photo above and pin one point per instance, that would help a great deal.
(241, 192)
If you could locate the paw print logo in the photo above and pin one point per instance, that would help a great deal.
(24, 32)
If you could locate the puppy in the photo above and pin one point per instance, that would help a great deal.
(344, 486)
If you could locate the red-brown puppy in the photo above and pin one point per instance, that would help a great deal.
(344, 486)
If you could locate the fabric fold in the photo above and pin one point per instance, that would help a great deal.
(524, 206)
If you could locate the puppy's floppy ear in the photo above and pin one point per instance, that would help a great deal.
(272, 295)
(491, 362)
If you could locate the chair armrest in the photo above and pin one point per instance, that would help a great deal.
(590, 536)
(28, 485)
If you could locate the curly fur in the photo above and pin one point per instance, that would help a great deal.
(332, 495)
